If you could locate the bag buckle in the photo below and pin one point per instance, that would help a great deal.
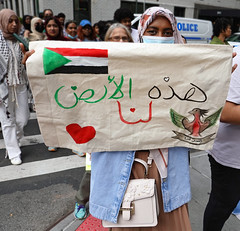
(131, 209)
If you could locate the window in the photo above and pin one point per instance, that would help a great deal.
(10, 5)
(82, 10)
(36, 7)
(179, 11)
(137, 7)
(17, 8)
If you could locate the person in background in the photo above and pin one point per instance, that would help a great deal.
(27, 25)
(53, 30)
(82, 197)
(85, 31)
(40, 15)
(221, 31)
(37, 34)
(37, 28)
(224, 159)
(103, 27)
(96, 31)
(71, 31)
(61, 17)
(71, 35)
(47, 13)
(125, 16)
(116, 33)
(109, 168)
(14, 111)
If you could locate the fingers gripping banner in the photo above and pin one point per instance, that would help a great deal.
(123, 96)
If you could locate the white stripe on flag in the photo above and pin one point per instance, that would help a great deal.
(86, 61)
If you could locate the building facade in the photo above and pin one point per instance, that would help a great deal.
(96, 10)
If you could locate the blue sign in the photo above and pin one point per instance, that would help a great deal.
(187, 27)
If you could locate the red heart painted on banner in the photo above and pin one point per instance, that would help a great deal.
(80, 134)
(132, 109)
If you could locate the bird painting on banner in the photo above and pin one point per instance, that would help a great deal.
(196, 126)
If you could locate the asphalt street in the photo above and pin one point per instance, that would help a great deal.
(38, 194)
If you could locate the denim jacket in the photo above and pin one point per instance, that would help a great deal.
(110, 172)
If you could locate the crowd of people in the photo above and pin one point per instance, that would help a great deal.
(173, 184)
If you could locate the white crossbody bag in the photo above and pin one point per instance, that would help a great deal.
(140, 206)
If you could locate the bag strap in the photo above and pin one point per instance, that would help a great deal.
(144, 163)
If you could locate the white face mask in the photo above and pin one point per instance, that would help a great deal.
(157, 39)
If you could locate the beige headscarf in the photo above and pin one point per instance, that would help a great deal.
(35, 35)
(5, 15)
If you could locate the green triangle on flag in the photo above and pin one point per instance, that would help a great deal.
(52, 60)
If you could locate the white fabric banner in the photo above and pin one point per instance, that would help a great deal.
(104, 96)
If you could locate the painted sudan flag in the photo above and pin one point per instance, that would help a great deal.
(75, 60)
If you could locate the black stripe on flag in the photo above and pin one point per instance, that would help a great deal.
(80, 70)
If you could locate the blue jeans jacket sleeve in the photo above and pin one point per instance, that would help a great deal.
(110, 174)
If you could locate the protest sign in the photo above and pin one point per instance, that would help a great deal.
(102, 96)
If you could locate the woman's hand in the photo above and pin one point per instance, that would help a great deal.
(26, 54)
(235, 65)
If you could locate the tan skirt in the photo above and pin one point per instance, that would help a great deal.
(177, 220)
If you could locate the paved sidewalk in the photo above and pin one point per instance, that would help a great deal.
(69, 223)
(200, 184)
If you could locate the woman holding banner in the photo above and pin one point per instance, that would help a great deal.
(14, 112)
(170, 167)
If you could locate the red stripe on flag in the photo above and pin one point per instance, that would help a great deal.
(80, 52)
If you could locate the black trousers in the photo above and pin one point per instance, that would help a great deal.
(224, 196)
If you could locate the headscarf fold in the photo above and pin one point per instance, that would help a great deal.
(5, 15)
(150, 14)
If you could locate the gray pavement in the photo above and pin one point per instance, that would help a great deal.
(200, 184)
(69, 223)
(36, 194)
